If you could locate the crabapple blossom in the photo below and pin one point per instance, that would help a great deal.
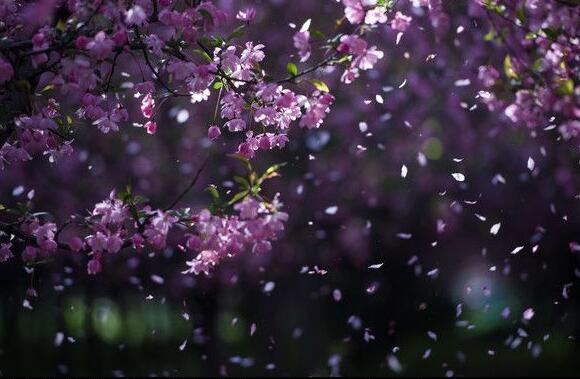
(116, 64)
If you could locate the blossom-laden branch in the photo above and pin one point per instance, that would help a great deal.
(75, 59)
(125, 220)
(188, 61)
(537, 84)
(63, 73)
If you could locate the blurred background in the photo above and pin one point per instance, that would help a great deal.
(377, 274)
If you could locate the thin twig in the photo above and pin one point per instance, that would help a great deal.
(189, 187)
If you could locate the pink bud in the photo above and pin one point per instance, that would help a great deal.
(265, 143)
(120, 37)
(75, 244)
(151, 127)
(82, 42)
(94, 267)
(138, 242)
(213, 132)
(29, 254)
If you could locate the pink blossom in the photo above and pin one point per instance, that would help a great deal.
(5, 252)
(203, 262)
(316, 109)
(217, 19)
(232, 105)
(135, 16)
(148, 105)
(401, 22)
(114, 243)
(190, 34)
(248, 208)
(29, 254)
(235, 125)
(252, 54)
(81, 42)
(154, 43)
(156, 231)
(302, 44)
(150, 127)
(97, 242)
(376, 16)
(39, 43)
(94, 266)
(213, 132)
(354, 11)
(101, 46)
(44, 235)
(488, 75)
(120, 37)
(76, 244)
(246, 15)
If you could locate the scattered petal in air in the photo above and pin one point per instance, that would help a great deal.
(394, 364)
(363, 126)
(531, 164)
(58, 339)
(269, 287)
(399, 36)
(462, 82)
(495, 228)
(404, 171)
(458, 176)
(517, 250)
(376, 266)
(528, 314)
(331, 210)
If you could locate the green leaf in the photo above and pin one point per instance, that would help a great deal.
(237, 33)
(47, 88)
(217, 84)
(242, 181)
(213, 191)
(317, 34)
(61, 26)
(292, 69)
(238, 197)
(203, 54)
(566, 87)
(124, 196)
(271, 172)
(490, 36)
(140, 199)
(551, 33)
(509, 68)
(319, 85)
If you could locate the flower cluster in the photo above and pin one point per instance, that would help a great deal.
(218, 237)
(538, 85)
(115, 224)
(75, 65)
